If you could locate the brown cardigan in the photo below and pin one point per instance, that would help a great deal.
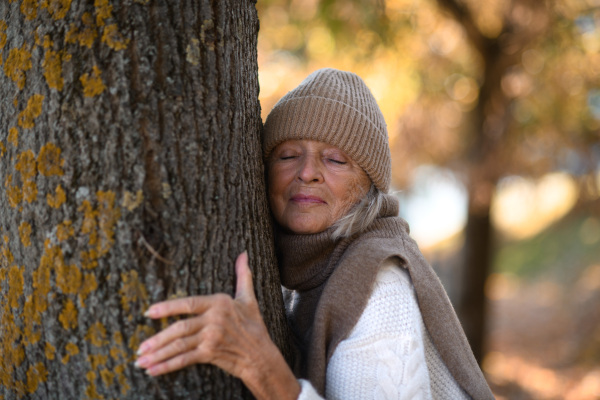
(331, 282)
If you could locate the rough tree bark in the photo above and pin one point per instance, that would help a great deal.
(131, 172)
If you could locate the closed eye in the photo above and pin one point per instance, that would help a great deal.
(337, 161)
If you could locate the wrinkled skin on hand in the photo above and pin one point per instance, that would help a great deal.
(224, 331)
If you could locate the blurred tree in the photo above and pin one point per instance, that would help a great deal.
(488, 89)
(131, 172)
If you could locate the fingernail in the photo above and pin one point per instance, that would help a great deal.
(150, 371)
(149, 313)
(143, 348)
(141, 362)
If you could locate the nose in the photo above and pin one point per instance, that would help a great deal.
(310, 170)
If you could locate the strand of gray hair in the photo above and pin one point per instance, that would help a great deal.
(361, 215)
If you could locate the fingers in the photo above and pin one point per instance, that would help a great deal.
(179, 330)
(244, 287)
(187, 305)
(174, 349)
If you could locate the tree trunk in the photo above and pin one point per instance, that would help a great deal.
(131, 172)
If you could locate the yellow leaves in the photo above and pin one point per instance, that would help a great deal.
(92, 83)
(31, 112)
(49, 161)
(17, 63)
(25, 233)
(68, 315)
(57, 199)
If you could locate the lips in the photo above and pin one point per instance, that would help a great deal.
(307, 199)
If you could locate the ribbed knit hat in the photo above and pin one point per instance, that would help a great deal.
(335, 107)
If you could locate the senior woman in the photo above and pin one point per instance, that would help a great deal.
(369, 316)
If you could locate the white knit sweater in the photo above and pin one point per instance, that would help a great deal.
(389, 353)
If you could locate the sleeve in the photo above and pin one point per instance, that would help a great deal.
(384, 355)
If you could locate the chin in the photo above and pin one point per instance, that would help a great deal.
(305, 228)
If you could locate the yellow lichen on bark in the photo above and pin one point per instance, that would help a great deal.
(64, 230)
(25, 233)
(36, 374)
(17, 63)
(90, 284)
(12, 352)
(26, 165)
(68, 277)
(89, 224)
(3, 27)
(120, 371)
(72, 350)
(96, 335)
(107, 377)
(108, 215)
(113, 38)
(57, 199)
(13, 136)
(132, 291)
(29, 191)
(31, 112)
(86, 36)
(103, 11)
(15, 285)
(30, 318)
(49, 161)
(49, 351)
(52, 66)
(91, 391)
(130, 202)
(142, 332)
(2, 149)
(97, 360)
(92, 83)
(29, 9)
(89, 259)
(58, 9)
(41, 276)
(68, 315)
(14, 193)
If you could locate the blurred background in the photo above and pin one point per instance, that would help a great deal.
(493, 112)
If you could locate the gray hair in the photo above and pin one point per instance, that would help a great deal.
(360, 216)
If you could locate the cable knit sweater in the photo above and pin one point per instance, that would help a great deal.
(389, 353)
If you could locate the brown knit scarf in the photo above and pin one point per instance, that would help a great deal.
(331, 282)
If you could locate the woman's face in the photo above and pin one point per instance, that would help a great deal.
(312, 185)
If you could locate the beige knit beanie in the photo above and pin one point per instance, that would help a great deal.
(335, 107)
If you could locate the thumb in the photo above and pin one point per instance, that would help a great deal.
(244, 288)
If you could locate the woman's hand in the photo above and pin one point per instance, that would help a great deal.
(223, 331)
